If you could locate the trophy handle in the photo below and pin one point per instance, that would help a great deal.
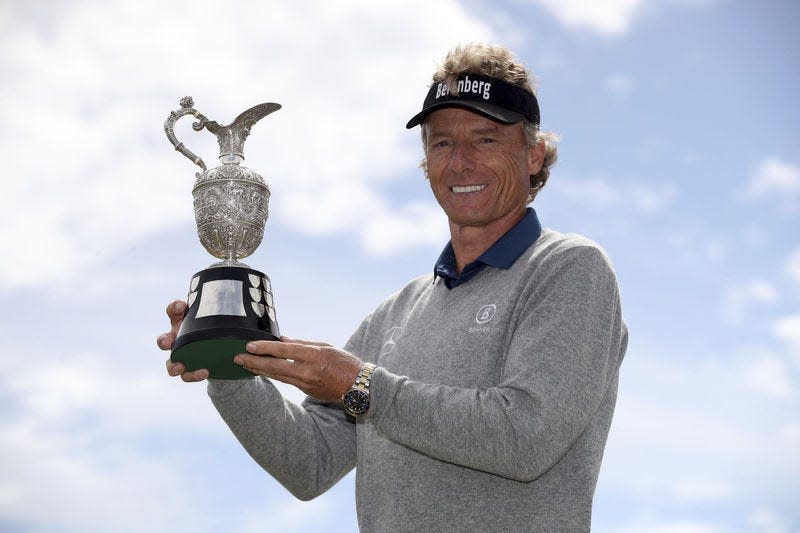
(186, 104)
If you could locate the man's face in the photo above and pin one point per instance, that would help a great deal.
(479, 170)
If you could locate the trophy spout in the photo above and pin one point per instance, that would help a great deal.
(231, 137)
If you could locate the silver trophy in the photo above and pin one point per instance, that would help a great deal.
(229, 303)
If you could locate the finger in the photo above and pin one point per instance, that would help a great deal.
(175, 369)
(165, 341)
(266, 366)
(179, 369)
(176, 311)
(283, 350)
(284, 370)
(284, 338)
(197, 375)
(289, 380)
(273, 368)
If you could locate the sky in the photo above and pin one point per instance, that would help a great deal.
(679, 155)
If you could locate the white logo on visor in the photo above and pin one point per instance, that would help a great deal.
(466, 85)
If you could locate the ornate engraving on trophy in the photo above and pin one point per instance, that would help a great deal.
(231, 206)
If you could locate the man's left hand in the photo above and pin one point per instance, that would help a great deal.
(316, 368)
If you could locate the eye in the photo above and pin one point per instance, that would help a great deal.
(486, 140)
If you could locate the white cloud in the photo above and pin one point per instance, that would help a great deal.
(651, 199)
(609, 17)
(775, 176)
(72, 439)
(606, 17)
(619, 84)
(765, 520)
(692, 247)
(70, 389)
(61, 470)
(788, 438)
(792, 266)
(653, 525)
(788, 330)
(771, 376)
(675, 431)
(602, 195)
(292, 516)
(739, 299)
(703, 490)
(390, 233)
(695, 424)
(82, 109)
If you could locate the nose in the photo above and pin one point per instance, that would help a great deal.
(461, 158)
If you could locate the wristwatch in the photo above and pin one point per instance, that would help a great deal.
(356, 400)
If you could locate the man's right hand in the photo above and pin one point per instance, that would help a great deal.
(176, 311)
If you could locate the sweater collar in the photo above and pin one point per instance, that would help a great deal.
(502, 254)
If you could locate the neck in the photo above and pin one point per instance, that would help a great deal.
(469, 242)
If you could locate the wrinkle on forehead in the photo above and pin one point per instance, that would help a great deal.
(454, 120)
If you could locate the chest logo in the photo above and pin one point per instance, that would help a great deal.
(485, 313)
(391, 336)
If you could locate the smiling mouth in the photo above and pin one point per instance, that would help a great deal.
(468, 188)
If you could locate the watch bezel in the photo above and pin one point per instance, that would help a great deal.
(356, 402)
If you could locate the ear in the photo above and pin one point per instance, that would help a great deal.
(536, 158)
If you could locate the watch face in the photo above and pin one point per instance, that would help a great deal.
(356, 402)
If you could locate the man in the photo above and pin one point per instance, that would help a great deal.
(481, 395)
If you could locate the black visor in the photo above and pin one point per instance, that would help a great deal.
(493, 98)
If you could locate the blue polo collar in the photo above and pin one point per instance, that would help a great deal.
(502, 254)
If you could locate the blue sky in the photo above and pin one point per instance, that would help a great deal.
(679, 154)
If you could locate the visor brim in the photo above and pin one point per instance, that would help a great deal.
(490, 111)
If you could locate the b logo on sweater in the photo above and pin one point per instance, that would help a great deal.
(485, 313)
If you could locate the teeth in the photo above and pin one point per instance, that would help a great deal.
(469, 188)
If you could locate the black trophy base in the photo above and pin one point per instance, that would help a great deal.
(228, 306)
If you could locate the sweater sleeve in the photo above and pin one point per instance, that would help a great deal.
(562, 356)
(307, 448)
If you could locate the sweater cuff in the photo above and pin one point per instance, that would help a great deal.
(220, 388)
(383, 386)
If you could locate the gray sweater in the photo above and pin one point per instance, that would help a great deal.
(491, 402)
